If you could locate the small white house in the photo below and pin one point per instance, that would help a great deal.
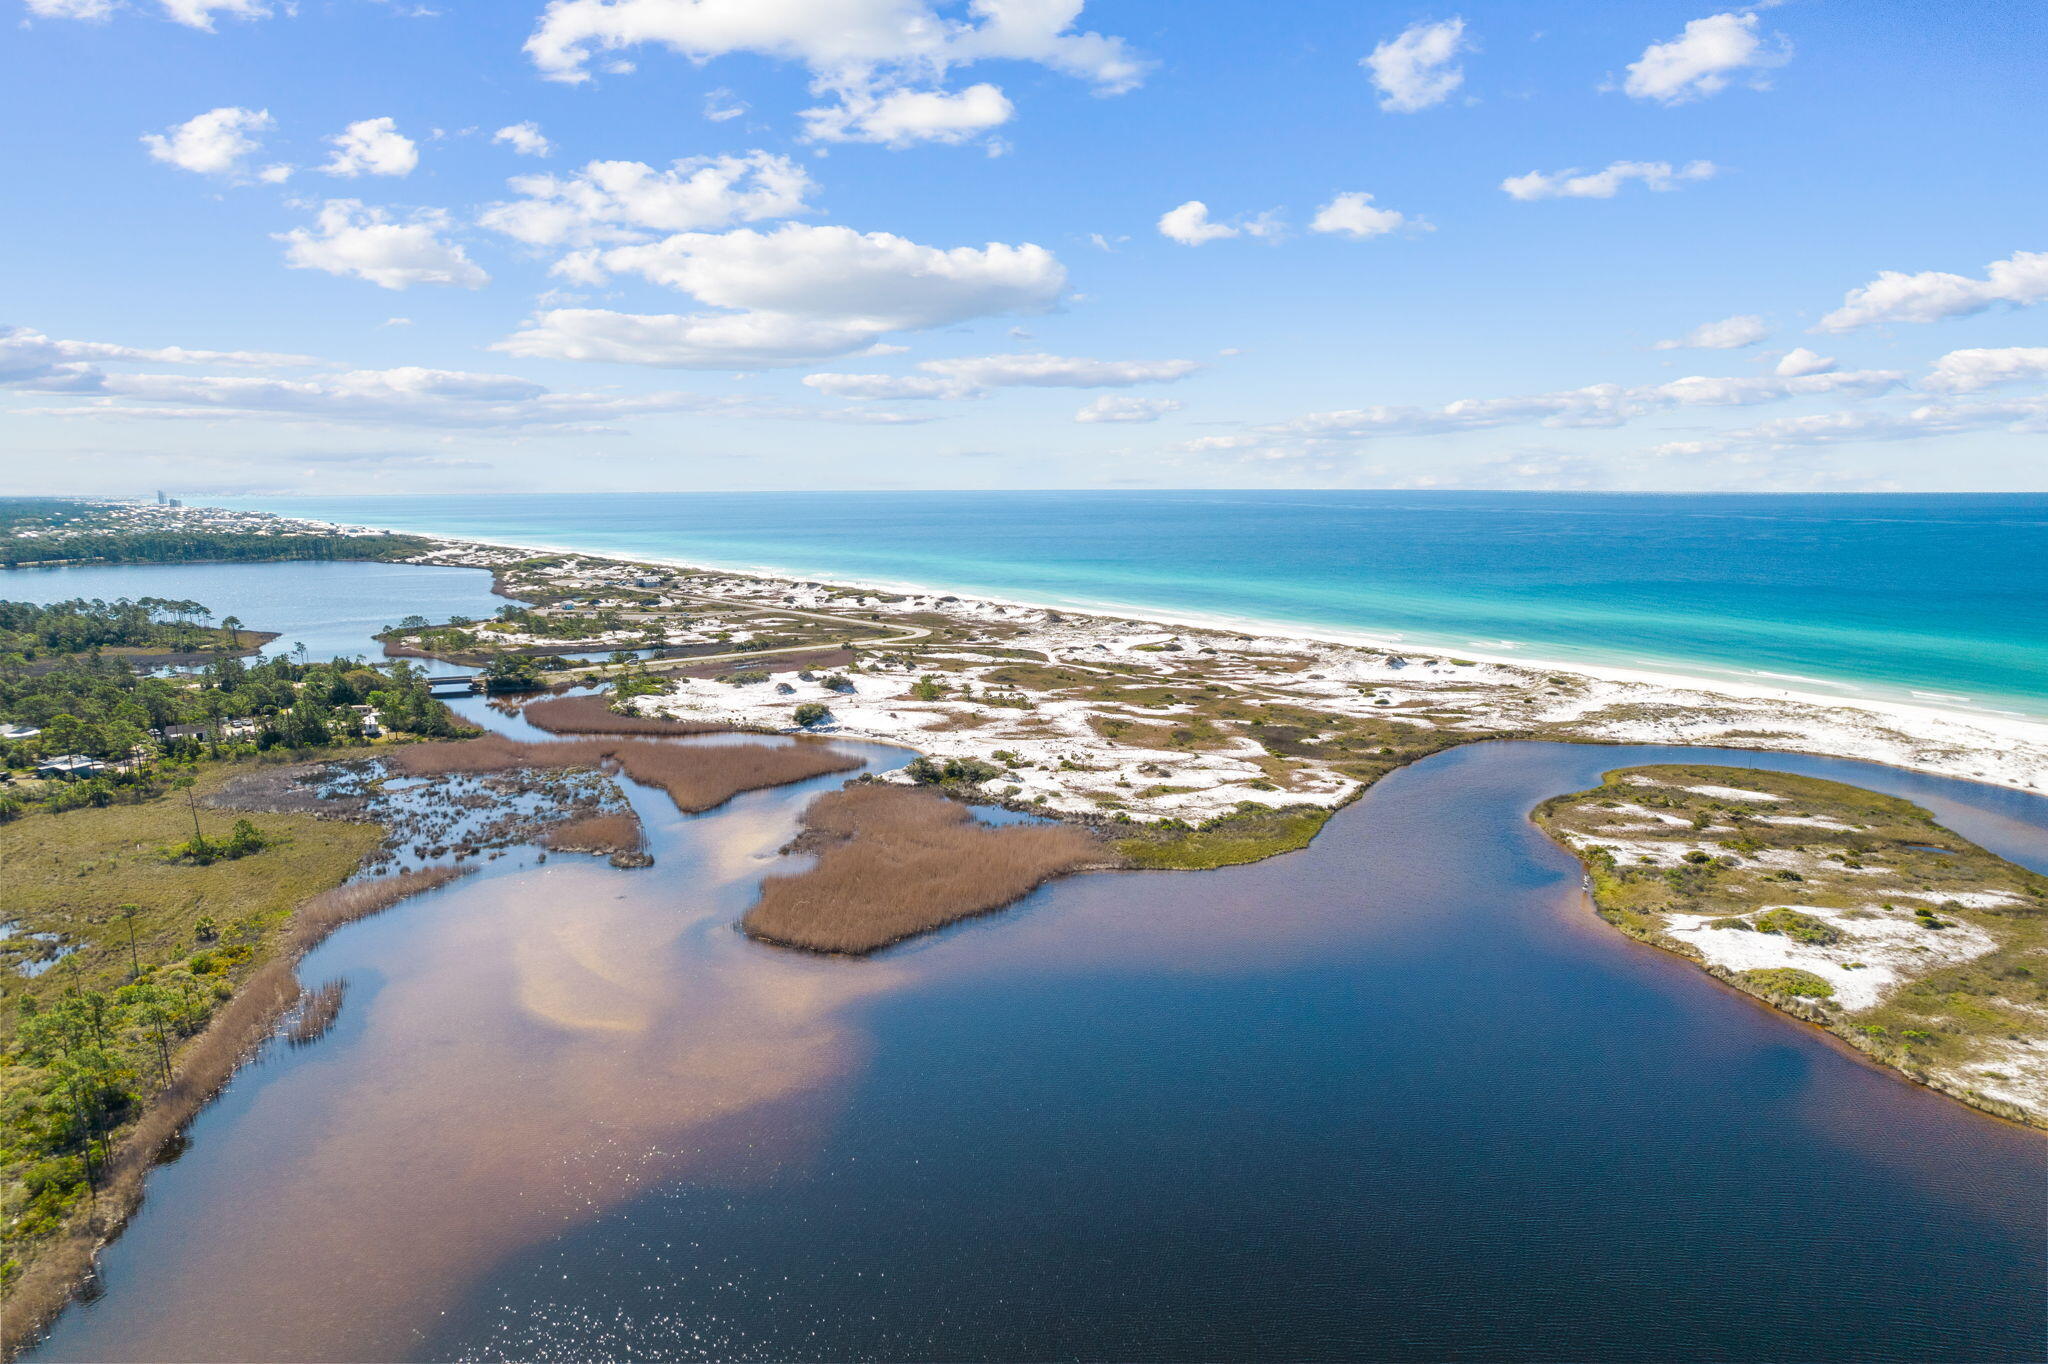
(70, 766)
(17, 733)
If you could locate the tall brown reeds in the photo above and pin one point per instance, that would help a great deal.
(204, 1065)
(896, 861)
(318, 1008)
(590, 715)
(700, 777)
(697, 777)
(607, 833)
(330, 909)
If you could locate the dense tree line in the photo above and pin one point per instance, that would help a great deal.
(83, 1063)
(78, 625)
(102, 707)
(39, 513)
(170, 547)
(95, 704)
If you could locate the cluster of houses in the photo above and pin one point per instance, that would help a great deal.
(63, 766)
(70, 767)
(60, 767)
(81, 766)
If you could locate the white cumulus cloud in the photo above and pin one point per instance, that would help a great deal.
(1353, 215)
(620, 201)
(372, 146)
(1799, 361)
(524, 138)
(899, 118)
(1418, 68)
(1730, 333)
(1114, 408)
(1604, 184)
(884, 62)
(199, 13)
(1968, 371)
(798, 293)
(875, 279)
(216, 142)
(846, 39)
(368, 243)
(1190, 225)
(1932, 295)
(1703, 58)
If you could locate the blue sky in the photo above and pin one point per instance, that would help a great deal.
(426, 245)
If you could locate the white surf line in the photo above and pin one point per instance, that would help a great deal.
(2004, 724)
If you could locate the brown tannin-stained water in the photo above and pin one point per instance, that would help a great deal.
(1397, 1096)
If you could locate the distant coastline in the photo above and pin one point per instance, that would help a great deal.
(1806, 655)
(2017, 724)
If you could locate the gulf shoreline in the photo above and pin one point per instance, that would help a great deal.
(1732, 678)
(2005, 724)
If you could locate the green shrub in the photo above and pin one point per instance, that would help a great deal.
(811, 713)
(637, 684)
(1789, 980)
(954, 771)
(1800, 927)
(243, 840)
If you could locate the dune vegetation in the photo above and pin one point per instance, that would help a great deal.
(1850, 909)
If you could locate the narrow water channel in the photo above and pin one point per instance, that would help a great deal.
(1397, 1096)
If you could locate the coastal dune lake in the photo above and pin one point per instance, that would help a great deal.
(1399, 1095)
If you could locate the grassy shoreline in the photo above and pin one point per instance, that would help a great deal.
(1854, 912)
(233, 930)
(49, 1280)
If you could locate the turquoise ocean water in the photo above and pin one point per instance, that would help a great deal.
(1941, 599)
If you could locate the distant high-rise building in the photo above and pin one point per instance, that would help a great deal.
(161, 500)
(176, 505)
